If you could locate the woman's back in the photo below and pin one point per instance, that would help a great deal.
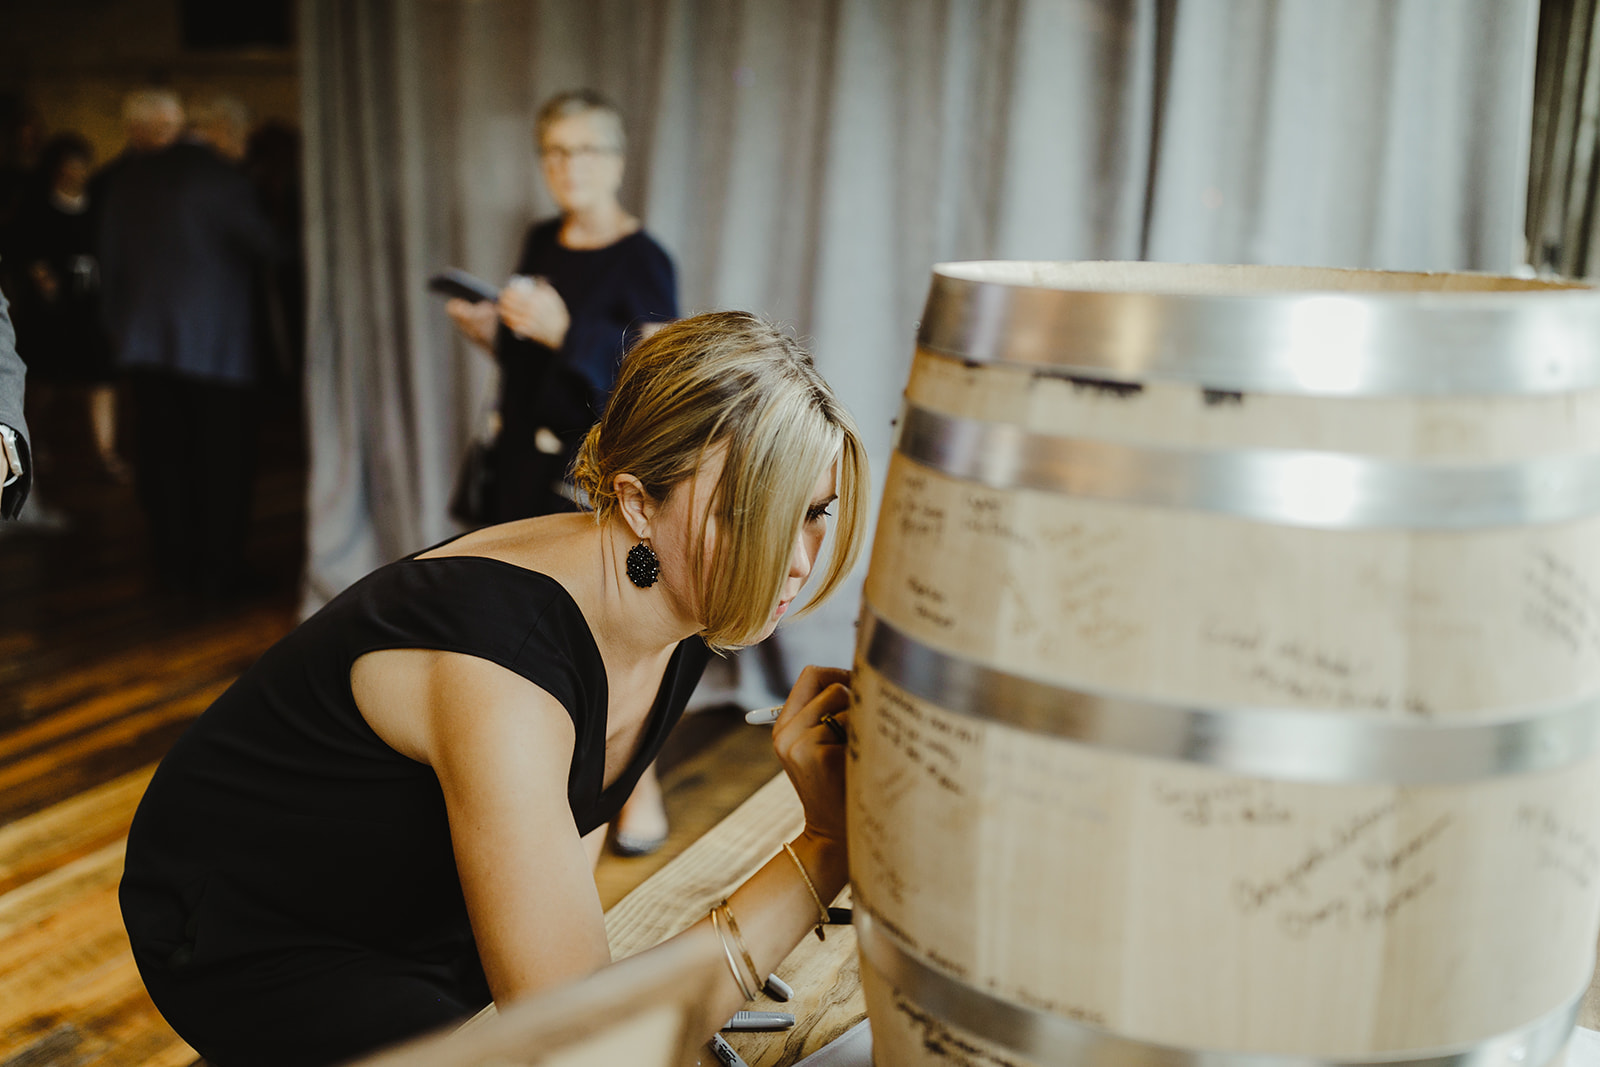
(281, 820)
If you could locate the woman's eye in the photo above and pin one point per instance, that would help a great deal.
(820, 511)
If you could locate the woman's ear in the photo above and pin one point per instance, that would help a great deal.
(635, 505)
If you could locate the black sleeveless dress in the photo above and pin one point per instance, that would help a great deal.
(290, 891)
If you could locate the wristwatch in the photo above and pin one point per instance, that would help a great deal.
(8, 442)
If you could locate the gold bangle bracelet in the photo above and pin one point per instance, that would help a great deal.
(744, 950)
(733, 966)
(822, 909)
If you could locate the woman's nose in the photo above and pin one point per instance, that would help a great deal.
(804, 555)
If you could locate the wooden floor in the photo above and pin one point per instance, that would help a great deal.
(99, 673)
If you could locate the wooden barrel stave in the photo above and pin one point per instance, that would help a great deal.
(1093, 594)
(1459, 429)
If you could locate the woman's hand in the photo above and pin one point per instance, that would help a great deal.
(780, 904)
(812, 754)
(532, 308)
(475, 320)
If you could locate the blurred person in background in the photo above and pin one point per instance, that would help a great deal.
(152, 119)
(58, 296)
(223, 122)
(19, 142)
(589, 284)
(19, 155)
(181, 237)
(272, 161)
(18, 151)
(16, 465)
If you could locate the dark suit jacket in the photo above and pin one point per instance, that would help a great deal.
(181, 233)
(11, 375)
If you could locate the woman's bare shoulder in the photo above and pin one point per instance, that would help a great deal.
(523, 542)
(422, 702)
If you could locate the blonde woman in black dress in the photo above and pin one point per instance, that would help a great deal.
(391, 817)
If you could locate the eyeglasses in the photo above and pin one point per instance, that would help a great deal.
(562, 153)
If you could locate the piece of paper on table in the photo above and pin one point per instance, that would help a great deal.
(1584, 1048)
(853, 1048)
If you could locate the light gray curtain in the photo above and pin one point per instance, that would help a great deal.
(811, 160)
(1564, 173)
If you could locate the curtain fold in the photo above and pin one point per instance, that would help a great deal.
(812, 159)
(1564, 172)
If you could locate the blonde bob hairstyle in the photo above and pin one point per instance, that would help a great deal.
(728, 379)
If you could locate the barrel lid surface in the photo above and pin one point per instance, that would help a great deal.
(1290, 330)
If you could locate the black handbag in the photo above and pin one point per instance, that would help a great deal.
(473, 494)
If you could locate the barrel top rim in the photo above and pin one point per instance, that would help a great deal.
(1142, 278)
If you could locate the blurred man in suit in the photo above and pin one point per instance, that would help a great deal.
(16, 472)
(223, 122)
(181, 237)
(152, 119)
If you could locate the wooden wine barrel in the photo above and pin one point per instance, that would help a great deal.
(1228, 683)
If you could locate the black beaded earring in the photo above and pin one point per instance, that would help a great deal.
(644, 567)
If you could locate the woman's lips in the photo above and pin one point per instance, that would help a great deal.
(783, 606)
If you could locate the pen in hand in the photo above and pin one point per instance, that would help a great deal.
(768, 716)
(763, 716)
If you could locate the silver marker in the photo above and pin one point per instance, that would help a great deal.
(763, 716)
(725, 1053)
(760, 1020)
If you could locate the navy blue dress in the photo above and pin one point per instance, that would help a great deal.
(610, 293)
(290, 890)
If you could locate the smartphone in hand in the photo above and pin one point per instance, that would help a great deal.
(458, 283)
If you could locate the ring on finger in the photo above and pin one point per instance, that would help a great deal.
(837, 727)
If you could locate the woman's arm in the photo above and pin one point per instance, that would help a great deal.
(501, 748)
(651, 297)
(774, 909)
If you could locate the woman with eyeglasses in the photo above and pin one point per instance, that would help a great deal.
(589, 284)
